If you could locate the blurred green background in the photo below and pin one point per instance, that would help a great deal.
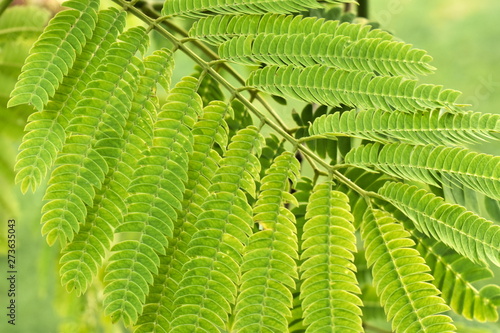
(462, 36)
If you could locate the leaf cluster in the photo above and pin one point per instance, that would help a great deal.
(197, 219)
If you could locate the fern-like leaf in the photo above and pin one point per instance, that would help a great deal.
(96, 130)
(465, 232)
(221, 28)
(269, 268)
(208, 288)
(329, 285)
(417, 128)
(303, 50)
(155, 195)
(329, 86)
(83, 256)
(203, 163)
(401, 277)
(428, 164)
(47, 129)
(454, 275)
(202, 8)
(387, 57)
(53, 55)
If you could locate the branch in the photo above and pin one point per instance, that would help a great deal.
(157, 25)
(148, 9)
(3, 5)
(363, 8)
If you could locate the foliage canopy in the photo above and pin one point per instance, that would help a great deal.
(204, 221)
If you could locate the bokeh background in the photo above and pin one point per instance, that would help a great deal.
(462, 36)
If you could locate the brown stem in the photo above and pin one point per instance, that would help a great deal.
(3, 5)
(363, 8)
(147, 9)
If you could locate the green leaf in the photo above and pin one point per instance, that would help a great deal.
(203, 164)
(47, 129)
(430, 164)
(304, 50)
(467, 233)
(209, 285)
(87, 251)
(95, 139)
(156, 192)
(329, 287)
(269, 268)
(54, 54)
(197, 8)
(454, 275)
(333, 87)
(417, 128)
(221, 28)
(401, 277)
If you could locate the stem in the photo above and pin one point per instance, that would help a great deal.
(355, 187)
(152, 13)
(202, 63)
(3, 5)
(329, 137)
(375, 329)
(311, 157)
(363, 8)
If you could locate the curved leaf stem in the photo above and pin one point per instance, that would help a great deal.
(3, 5)
(281, 129)
(363, 10)
(151, 12)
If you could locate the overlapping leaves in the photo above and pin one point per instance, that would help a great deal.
(95, 133)
(156, 192)
(47, 128)
(329, 291)
(191, 253)
(417, 128)
(401, 277)
(221, 28)
(429, 164)
(333, 87)
(455, 275)
(209, 285)
(54, 53)
(467, 233)
(84, 255)
(269, 268)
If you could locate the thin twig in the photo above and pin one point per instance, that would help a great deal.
(3, 5)
(151, 12)
(235, 92)
(363, 8)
